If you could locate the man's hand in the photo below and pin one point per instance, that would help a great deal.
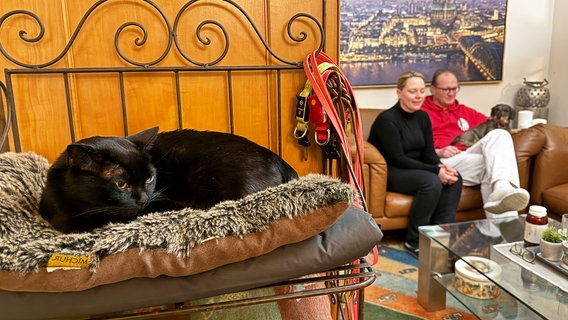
(447, 151)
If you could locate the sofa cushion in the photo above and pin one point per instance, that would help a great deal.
(470, 198)
(398, 204)
(554, 198)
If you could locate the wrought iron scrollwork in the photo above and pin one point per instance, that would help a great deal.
(139, 42)
(172, 35)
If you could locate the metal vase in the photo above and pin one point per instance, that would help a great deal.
(533, 94)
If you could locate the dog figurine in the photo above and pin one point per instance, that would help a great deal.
(501, 116)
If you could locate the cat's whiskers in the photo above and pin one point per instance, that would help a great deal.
(156, 196)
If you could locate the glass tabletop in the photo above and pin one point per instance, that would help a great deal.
(534, 290)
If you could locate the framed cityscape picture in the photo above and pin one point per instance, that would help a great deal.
(381, 39)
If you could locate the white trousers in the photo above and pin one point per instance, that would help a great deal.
(490, 159)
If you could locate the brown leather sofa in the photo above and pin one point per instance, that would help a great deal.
(546, 169)
(542, 158)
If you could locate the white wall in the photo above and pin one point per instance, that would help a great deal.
(558, 73)
(530, 28)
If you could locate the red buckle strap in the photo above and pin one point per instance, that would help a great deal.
(319, 118)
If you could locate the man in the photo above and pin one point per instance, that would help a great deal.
(490, 162)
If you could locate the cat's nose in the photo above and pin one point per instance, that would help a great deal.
(142, 200)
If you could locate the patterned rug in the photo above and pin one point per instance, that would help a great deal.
(393, 295)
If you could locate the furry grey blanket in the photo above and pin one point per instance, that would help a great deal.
(27, 241)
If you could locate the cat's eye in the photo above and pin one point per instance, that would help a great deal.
(150, 180)
(121, 184)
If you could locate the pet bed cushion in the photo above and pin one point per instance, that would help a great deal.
(352, 236)
(177, 243)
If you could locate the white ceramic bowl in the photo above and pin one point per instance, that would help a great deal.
(564, 263)
(474, 284)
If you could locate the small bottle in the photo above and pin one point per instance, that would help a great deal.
(535, 223)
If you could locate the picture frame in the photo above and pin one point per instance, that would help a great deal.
(381, 39)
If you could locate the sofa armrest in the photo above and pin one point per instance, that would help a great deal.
(375, 177)
(528, 143)
(549, 169)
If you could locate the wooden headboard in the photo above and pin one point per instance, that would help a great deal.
(75, 69)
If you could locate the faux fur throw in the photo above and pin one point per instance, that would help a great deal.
(27, 241)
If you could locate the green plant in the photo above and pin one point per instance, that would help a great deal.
(552, 234)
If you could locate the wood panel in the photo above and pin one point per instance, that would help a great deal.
(35, 96)
(150, 100)
(42, 116)
(279, 14)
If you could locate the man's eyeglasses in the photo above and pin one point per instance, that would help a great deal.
(518, 250)
(449, 90)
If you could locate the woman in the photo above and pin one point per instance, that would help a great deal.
(403, 134)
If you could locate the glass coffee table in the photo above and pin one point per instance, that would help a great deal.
(525, 289)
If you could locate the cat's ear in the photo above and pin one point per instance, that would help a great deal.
(81, 155)
(144, 139)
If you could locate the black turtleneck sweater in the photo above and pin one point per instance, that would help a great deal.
(405, 139)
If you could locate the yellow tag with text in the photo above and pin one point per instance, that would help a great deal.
(65, 261)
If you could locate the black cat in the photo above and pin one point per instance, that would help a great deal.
(110, 179)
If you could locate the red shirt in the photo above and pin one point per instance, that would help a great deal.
(451, 122)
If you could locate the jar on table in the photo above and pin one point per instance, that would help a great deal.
(535, 223)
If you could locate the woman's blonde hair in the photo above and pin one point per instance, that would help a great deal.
(401, 82)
